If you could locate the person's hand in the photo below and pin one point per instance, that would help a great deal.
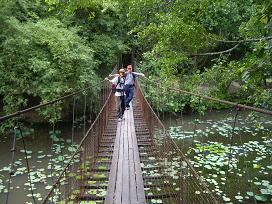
(106, 78)
(143, 75)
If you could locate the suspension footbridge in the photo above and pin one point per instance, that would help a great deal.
(132, 161)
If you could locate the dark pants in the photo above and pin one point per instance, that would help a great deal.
(129, 90)
(120, 106)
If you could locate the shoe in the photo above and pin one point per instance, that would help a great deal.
(119, 119)
(127, 108)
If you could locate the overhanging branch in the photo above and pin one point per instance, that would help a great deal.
(217, 53)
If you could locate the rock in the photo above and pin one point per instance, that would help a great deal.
(234, 87)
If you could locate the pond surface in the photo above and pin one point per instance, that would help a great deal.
(47, 153)
(235, 161)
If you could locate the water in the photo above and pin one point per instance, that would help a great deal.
(235, 162)
(249, 169)
(46, 159)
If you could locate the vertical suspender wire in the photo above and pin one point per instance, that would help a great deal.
(90, 119)
(181, 172)
(27, 164)
(197, 118)
(203, 147)
(165, 144)
(158, 104)
(50, 158)
(73, 122)
(84, 113)
(11, 171)
(230, 147)
(163, 95)
(101, 125)
(77, 125)
(74, 125)
(195, 124)
(59, 143)
(239, 158)
(181, 121)
(170, 112)
(84, 147)
(51, 161)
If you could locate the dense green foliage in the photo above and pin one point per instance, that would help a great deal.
(71, 44)
(46, 52)
(173, 35)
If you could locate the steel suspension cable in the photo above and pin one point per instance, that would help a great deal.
(195, 124)
(52, 152)
(202, 140)
(59, 141)
(73, 120)
(84, 113)
(230, 148)
(74, 154)
(27, 163)
(237, 105)
(2, 118)
(11, 171)
(260, 110)
(168, 138)
(181, 120)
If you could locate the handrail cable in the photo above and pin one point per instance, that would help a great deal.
(178, 149)
(45, 104)
(238, 105)
(50, 102)
(76, 152)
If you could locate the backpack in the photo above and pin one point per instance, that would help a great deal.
(113, 86)
(134, 77)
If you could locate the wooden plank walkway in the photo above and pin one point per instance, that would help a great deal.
(126, 181)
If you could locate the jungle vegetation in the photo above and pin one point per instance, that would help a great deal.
(52, 47)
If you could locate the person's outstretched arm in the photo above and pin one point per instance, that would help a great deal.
(113, 75)
(113, 81)
(139, 74)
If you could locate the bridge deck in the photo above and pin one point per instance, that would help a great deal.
(126, 180)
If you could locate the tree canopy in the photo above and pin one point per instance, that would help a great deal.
(51, 47)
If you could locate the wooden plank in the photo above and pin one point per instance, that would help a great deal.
(113, 170)
(132, 178)
(139, 177)
(126, 181)
(126, 176)
(119, 180)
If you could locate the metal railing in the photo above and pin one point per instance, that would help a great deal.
(65, 164)
(217, 156)
(183, 184)
(69, 185)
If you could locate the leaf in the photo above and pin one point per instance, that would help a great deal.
(261, 197)
(250, 193)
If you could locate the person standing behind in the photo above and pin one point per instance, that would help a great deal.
(130, 84)
(119, 82)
